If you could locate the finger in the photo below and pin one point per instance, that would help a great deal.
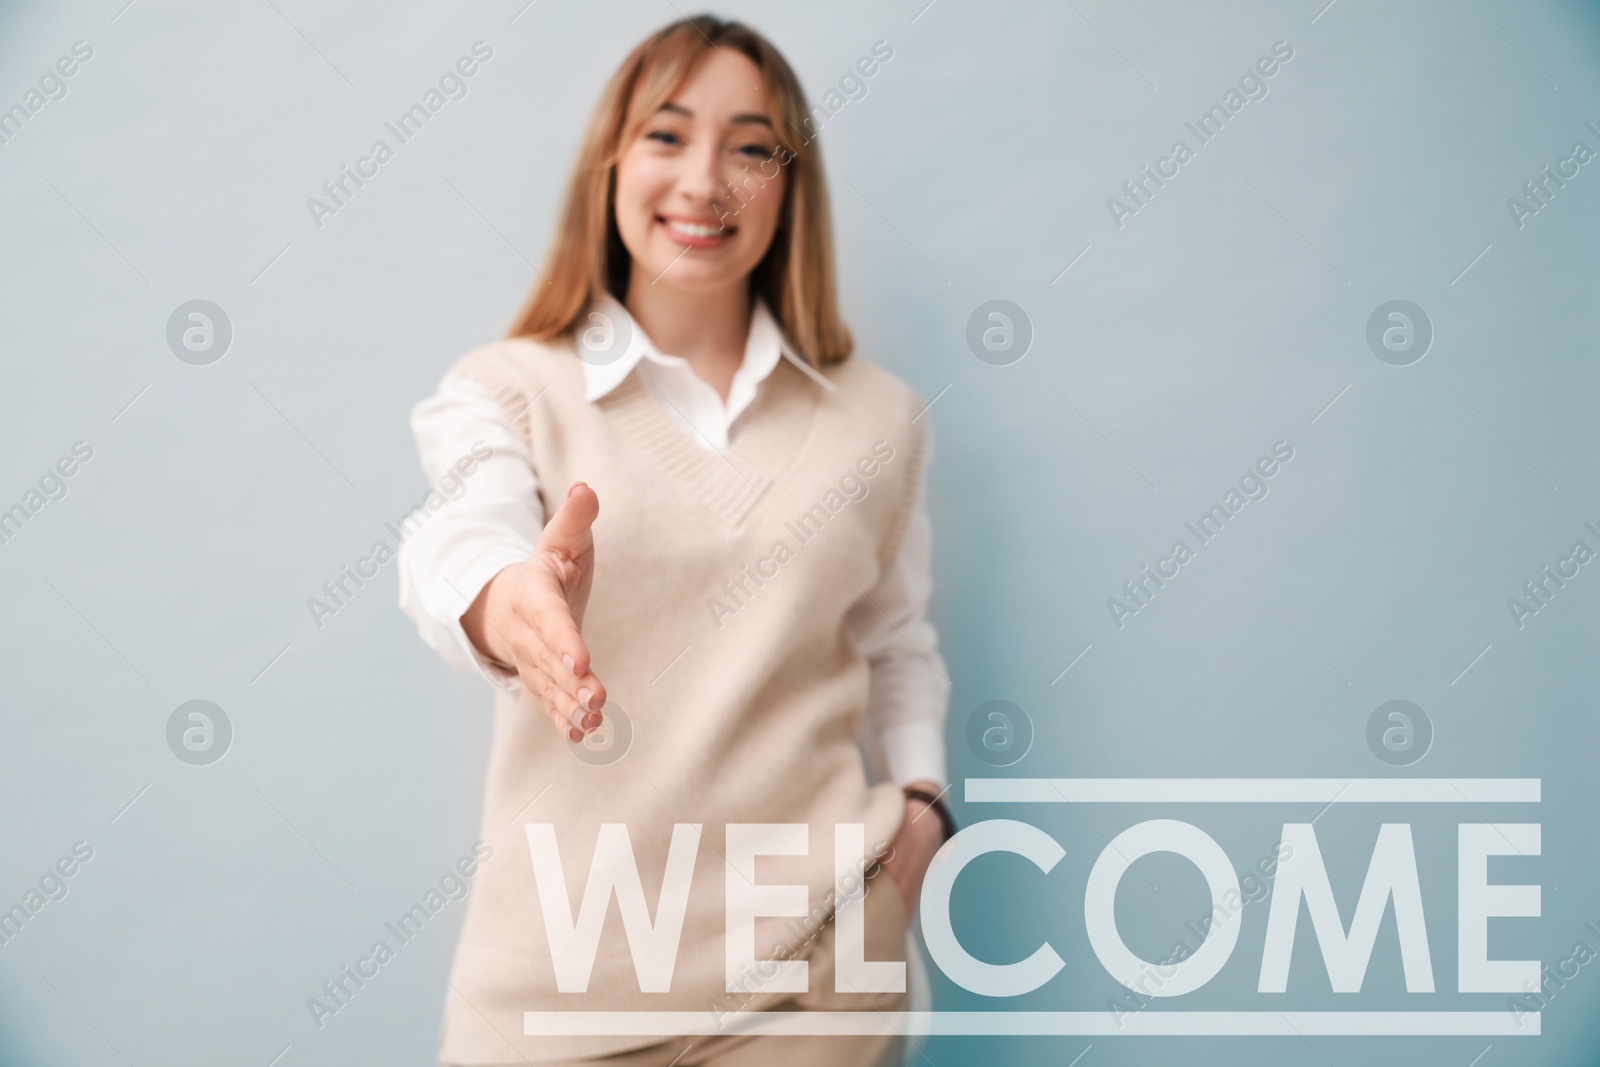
(565, 710)
(568, 532)
(549, 638)
(567, 663)
(544, 608)
(571, 707)
(537, 685)
(582, 695)
(562, 708)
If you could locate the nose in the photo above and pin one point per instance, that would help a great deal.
(700, 181)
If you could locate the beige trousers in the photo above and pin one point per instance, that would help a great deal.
(886, 925)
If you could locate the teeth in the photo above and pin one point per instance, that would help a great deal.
(691, 229)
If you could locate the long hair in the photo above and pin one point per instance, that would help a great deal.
(587, 258)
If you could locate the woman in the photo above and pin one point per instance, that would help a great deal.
(732, 581)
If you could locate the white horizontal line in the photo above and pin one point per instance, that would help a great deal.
(1252, 790)
(1033, 1023)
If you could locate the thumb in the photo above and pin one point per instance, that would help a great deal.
(568, 531)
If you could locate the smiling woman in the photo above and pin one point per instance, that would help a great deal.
(694, 248)
(718, 134)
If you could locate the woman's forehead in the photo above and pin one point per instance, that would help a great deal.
(722, 86)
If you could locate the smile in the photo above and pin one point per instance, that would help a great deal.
(695, 233)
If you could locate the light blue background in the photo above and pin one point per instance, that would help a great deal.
(1223, 317)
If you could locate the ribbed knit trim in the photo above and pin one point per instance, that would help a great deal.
(772, 434)
(496, 369)
(917, 449)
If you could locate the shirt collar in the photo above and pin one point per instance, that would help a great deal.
(764, 346)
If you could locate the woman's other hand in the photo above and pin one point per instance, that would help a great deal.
(529, 615)
(912, 849)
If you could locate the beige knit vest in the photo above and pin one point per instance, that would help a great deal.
(717, 622)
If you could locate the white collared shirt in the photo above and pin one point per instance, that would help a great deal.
(496, 522)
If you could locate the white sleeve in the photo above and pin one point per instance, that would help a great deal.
(490, 517)
(903, 728)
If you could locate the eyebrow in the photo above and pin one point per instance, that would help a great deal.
(746, 119)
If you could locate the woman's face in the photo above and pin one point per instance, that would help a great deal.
(700, 188)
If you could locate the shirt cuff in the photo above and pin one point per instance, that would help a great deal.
(915, 752)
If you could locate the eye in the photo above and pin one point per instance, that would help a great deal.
(666, 137)
(756, 151)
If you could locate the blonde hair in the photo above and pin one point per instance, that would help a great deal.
(587, 258)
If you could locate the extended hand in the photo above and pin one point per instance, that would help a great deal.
(529, 616)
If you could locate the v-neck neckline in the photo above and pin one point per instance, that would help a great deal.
(729, 483)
